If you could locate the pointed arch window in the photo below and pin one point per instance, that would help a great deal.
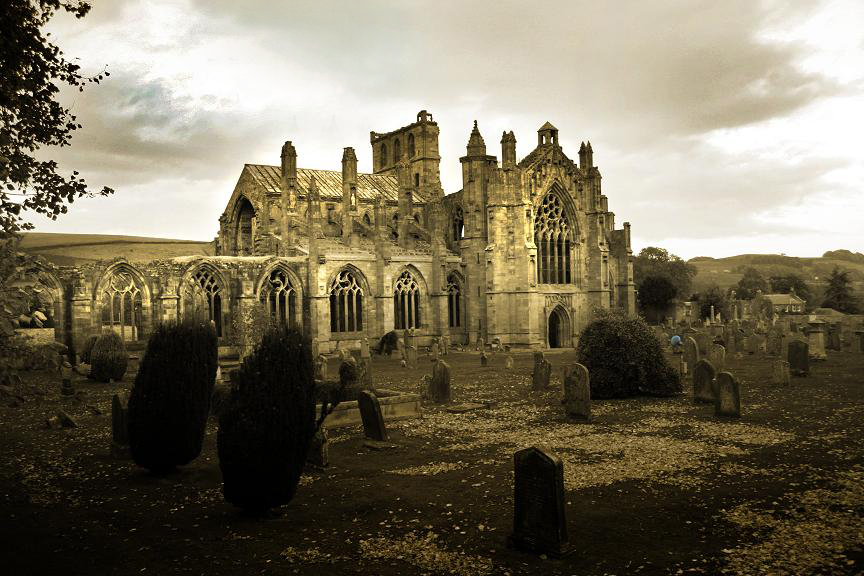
(280, 298)
(406, 302)
(383, 155)
(458, 224)
(553, 236)
(412, 149)
(204, 299)
(121, 305)
(454, 302)
(397, 151)
(346, 303)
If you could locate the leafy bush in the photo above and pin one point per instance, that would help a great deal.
(108, 358)
(170, 398)
(87, 349)
(268, 422)
(388, 343)
(624, 359)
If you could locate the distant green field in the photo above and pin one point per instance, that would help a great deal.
(71, 249)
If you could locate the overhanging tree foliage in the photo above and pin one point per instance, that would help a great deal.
(839, 294)
(750, 284)
(32, 69)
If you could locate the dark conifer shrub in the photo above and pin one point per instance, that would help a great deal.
(268, 422)
(624, 359)
(88, 346)
(170, 398)
(108, 358)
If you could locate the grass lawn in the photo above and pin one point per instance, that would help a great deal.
(653, 486)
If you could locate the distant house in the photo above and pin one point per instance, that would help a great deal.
(786, 303)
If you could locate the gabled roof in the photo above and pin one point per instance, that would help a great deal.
(329, 182)
(783, 299)
(547, 126)
(546, 153)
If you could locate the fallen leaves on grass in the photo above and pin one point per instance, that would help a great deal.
(423, 552)
(429, 469)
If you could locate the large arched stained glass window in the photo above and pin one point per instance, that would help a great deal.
(454, 302)
(280, 298)
(553, 236)
(204, 299)
(406, 302)
(346, 303)
(121, 305)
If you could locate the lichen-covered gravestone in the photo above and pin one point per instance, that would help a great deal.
(728, 401)
(373, 419)
(439, 385)
(542, 372)
(799, 358)
(364, 348)
(718, 356)
(539, 516)
(703, 381)
(411, 355)
(120, 425)
(577, 393)
(780, 373)
(816, 340)
(691, 352)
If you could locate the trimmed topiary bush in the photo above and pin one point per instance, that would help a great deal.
(88, 347)
(268, 422)
(170, 399)
(108, 358)
(624, 359)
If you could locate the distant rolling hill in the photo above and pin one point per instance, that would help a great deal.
(725, 272)
(72, 249)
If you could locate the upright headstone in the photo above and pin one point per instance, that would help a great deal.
(321, 368)
(66, 372)
(728, 400)
(691, 353)
(439, 385)
(364, 373)
(718, 356)
(816, 340)
(799, 358)
(120, 424)
(373, 419)
(445, 344)
(703, 381)
(484, 359)
(481, 344)
(411, 355)
(364, 348)
(508, 363)
(731, 341)
(319, 449)
(780, 373)
(577, 393)
(542, 372)
(539, 516)
(703, 340)
(433, 351)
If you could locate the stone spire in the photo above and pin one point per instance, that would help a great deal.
(476, 145)
(508, 150)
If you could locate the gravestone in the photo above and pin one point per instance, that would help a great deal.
(703, 341)
(816, 340)
(433, 351)
(120, 425)
(539, 516)
(691, 352)
(508, 363)
(484, 359)
(364, 348)
(439, 384)
(481, 344)
(718, 356)
(66, 371)
(364, 373)
(577, 393)
(445, 344)
(321, 368)
(373, 419)
(780, 373)
(731, 341)
(319, 449)
(703, 381)
(411, 355)
(728, 399)
(799, 358)
(542, 372)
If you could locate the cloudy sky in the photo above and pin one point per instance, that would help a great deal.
(720, 127)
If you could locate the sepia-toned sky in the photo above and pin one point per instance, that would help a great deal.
(720, 128)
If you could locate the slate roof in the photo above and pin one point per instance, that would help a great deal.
(329, 182)
(783, 299)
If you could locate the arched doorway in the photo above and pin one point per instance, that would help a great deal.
(558, 328)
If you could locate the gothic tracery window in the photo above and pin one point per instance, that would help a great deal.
(346, 303)
(458, 224)
(397, 151)
(204, 299)
(383, 155)
(411, 147)
(553, 237)
(121, 305)
(454, 302)
(406, 302)
(280, 298)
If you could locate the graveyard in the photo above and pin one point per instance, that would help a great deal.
(648, 485)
